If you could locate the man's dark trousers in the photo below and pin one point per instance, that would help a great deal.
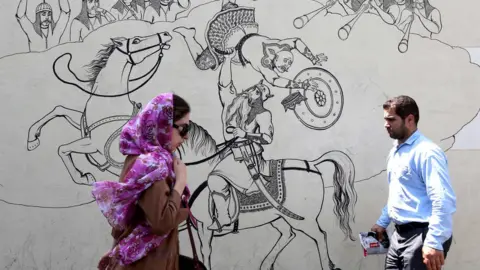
(406, 243)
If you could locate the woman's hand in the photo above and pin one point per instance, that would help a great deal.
(180, 174)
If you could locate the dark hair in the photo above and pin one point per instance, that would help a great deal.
(403, 106)
(180, 108)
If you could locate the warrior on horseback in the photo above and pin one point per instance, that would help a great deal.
(244, 117)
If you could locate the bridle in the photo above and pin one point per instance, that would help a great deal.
(129, 53)
(225, 145)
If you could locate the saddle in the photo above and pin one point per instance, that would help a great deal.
(241, 203)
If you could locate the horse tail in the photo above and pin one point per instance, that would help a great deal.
(344, 195)
(65, 74)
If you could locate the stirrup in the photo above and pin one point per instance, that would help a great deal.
(219, 229)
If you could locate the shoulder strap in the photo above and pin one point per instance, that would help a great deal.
(192, 241)
(198, 265)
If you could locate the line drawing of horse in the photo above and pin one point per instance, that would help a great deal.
(301, 199)
(106, 108)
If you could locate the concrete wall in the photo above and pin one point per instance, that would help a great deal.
(49, 220)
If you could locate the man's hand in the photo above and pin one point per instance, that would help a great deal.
(433, 258)
(310, 85)
(238, 132)
(230, 56)
(101, 10)
(379, 230)
(319, 58)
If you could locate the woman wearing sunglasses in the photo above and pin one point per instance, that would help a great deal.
(145, 206)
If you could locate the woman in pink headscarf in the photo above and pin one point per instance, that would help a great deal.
(144, 207)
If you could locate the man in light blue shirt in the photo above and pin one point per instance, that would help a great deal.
(421, 200)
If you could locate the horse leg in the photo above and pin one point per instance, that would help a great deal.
(312, 229)
(83, 146)
(206, 237)
(188, 35)
(202, 57)
(72, 116)
(286, 236)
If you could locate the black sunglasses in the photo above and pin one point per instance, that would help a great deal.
(182, 129)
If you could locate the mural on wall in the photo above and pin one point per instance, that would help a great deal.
(284, 126)
(242, 181)
(399, 13)
(167, 10)
(90, 18)
(114, 63)
(46, 31)
(234, 30)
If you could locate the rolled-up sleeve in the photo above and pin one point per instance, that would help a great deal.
(162, 208)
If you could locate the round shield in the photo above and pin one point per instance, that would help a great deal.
(322, 102)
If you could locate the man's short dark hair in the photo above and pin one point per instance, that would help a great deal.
(403, 106)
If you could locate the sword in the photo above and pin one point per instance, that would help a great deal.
(257, 179)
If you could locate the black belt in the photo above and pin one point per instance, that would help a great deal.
(403, 228)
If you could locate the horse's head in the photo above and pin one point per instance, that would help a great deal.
(138, 48)
(199, 145)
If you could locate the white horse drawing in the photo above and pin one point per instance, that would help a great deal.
(304, 191)
(109, 105)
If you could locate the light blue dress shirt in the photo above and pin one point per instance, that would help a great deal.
(420, 189)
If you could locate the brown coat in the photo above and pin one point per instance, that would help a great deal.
(161, 207)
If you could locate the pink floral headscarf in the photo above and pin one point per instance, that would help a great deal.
(147, 135)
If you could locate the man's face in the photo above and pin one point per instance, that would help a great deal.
(253, 95)
(92, 6)
(45, 18)
(283, 61)
(128, 2)
(394, 125)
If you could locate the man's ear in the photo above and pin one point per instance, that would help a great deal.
(411, 119)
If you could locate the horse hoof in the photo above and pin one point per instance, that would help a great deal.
(90, 178)
(332, 266)
(87, 179)
(32, 145)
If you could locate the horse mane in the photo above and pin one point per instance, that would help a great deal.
(200, 141)
(100, 61)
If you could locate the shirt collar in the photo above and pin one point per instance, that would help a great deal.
(410, 139)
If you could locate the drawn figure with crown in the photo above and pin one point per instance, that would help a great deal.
(44, 33)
